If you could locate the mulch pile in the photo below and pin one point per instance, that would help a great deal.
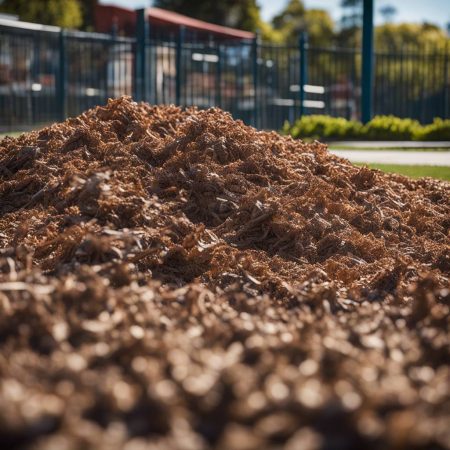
(175, 279)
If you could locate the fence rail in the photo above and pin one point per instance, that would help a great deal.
(47, 74)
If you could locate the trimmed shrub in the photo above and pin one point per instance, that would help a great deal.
(439, 130)
(321, 126)
(379, 128)
(390, 128)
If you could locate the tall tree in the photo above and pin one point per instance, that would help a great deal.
(396, 37)
(351, 21)
(295, 18)
(388, 13)
(87, 11)
(352, 15)
(320, 27)
(242, 14)
(63, 13)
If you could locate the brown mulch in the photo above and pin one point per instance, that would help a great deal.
(174, 279)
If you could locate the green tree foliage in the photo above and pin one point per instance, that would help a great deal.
(292, 17)
(295, 18)
(397, 37)
(389, 36)
(87, 11)
(63, 13)
(349, 34)
(320, 27)
(269, 33)
(242, 14)
(352, 16)
(388, 12)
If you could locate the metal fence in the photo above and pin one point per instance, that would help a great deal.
(47, 74)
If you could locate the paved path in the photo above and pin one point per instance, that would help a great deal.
(390, 144)
(428, 158)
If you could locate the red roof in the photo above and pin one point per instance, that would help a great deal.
(106, 15)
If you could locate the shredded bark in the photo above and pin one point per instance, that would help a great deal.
(176, 279)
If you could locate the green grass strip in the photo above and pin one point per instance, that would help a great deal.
(438, 172)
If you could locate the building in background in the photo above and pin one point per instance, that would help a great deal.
(163, 24)
(164, 31)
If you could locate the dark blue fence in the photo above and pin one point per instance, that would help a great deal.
(47, 74)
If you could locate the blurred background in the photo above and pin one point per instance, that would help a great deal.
(268, 63)
(327, 21)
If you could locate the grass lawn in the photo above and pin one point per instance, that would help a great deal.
(439, 172)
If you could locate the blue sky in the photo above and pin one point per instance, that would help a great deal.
(436, 11)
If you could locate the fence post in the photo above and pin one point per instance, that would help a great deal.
(179, 65)
(112, 67)
(303, 52)
(139, 68)
(446, 84)
(219, 77)
(255, 51)
(367, 62)
(62, 79)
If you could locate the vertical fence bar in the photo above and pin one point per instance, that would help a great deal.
(179, 65)
(219, 77)
(62, 79)
(139, 59)
(446, 82)
(400, 89)
(303, 79)
(367, 62)
(423, 62)
(112, 69)
(255, 52)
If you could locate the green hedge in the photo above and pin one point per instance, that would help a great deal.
(389, 128)
(323, 127)
(439, 130)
